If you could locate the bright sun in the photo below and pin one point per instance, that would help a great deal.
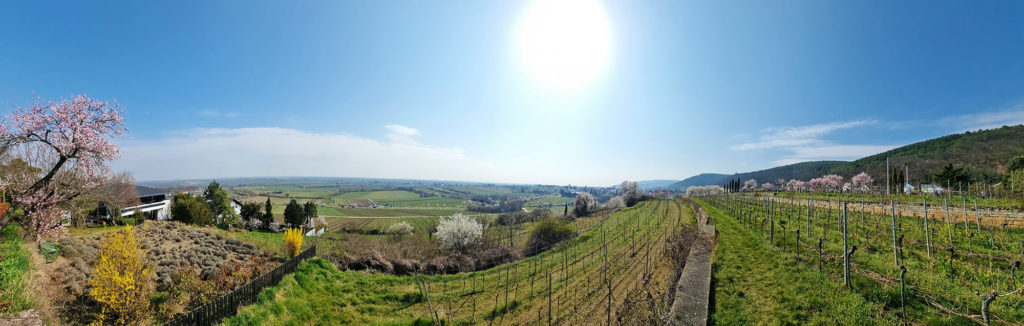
(564, 44)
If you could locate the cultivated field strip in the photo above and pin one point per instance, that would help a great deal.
(566, 285)
(620, 262)
(950, 267)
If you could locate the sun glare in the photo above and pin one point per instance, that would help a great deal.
(564, 44)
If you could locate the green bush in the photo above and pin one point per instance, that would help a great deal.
(191, 210)
(546, 234)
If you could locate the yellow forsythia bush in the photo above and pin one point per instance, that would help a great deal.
(122, 279)
(292, 242)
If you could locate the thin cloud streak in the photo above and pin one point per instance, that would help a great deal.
(986, 120)
(806, 143)
(787, 137)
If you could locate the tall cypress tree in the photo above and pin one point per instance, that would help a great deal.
(268, 216)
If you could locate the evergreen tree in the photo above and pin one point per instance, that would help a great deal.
(950, 175)
(309, 209)
(251, 211)
(294, 215)
(217, 198)
(268, 215)
(191, 210)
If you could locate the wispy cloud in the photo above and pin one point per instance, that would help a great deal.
(204, 153)
(789, 137)
(402, 134)
(986, 120)
(807, 143)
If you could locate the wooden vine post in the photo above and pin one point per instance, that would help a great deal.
(895, 249)
(846, 252)
(977, 217)
(949, 227)
(927, 236)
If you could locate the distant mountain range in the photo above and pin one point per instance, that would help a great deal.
(984, 153)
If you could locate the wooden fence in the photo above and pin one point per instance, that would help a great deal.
(227, 305)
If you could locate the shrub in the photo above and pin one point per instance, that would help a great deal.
(546, 234)
(121, 281)
(191, 210)
(631, 192)
(585, 203)
(4, 206)
(460, 233)
(399, 229)
(292, 242)
(615, 202)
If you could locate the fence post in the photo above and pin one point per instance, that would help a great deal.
(846, 252)
(927, 236)
(549, 299)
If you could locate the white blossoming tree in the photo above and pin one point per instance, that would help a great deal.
(459, 233)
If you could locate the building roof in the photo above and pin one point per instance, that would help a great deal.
(147, 191)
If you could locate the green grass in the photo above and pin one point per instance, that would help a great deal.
(269, 242)
(318, 294)
(755, 284)
(14, 269)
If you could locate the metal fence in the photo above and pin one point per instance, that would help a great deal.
(227, 305)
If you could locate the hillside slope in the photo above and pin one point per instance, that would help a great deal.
(801, 171)
(984, 153)
(703, 179)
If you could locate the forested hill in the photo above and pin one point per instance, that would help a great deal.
(800, 171)
(703, 179)
(984, 154)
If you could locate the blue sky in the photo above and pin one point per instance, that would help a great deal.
(437, 90)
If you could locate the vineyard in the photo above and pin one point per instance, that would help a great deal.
(879, 267)
(614, 272)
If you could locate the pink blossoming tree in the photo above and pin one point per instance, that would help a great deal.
(861, 182)
(796, 185)
(68, 142)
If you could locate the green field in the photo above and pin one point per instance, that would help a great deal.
(635, 237)
(376, 196)
(377, 225)
(556, 201)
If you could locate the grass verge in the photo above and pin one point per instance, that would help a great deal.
(14, 268)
